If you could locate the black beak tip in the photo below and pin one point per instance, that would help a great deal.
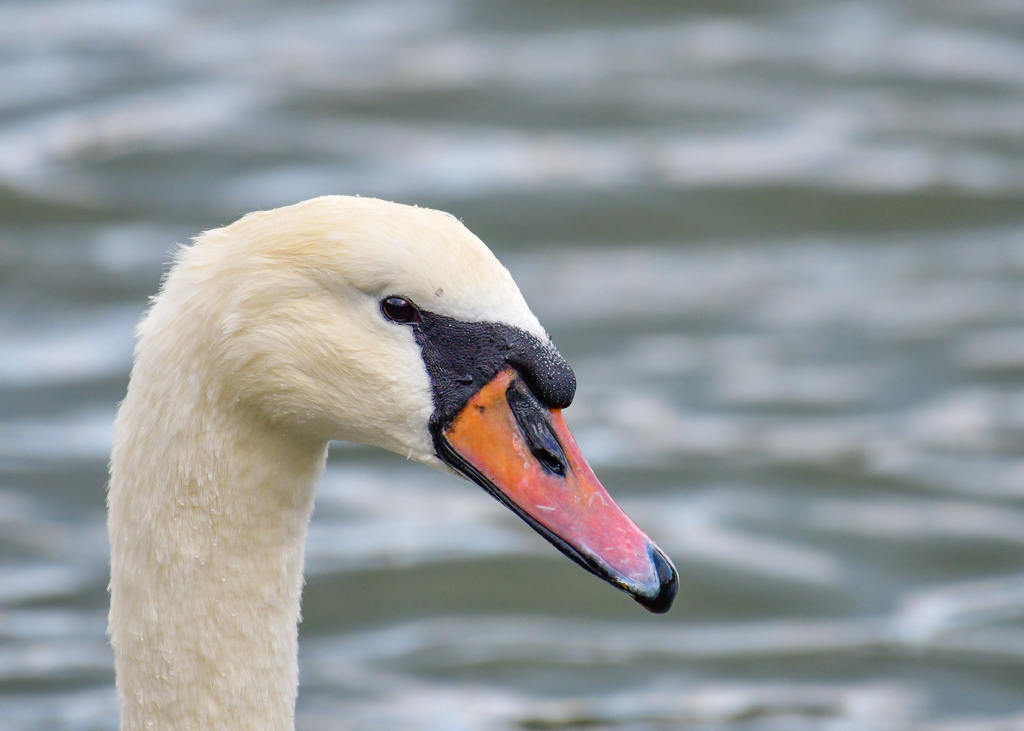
(668, 584)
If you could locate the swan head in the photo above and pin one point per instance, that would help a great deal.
(390, 325)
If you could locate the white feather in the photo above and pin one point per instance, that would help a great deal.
(265, 341)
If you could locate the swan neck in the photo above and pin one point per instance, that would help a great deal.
(208, 515)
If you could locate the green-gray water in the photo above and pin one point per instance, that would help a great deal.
(782, 244)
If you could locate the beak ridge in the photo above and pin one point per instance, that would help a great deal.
(524, 455)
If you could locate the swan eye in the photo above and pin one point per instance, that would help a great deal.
(399, 309)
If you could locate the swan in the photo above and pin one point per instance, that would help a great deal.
(337, 318)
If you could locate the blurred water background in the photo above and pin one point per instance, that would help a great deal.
(781, 242)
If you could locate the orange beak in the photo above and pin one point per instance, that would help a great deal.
(523, 454)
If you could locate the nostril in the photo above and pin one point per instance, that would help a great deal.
(548, 459)
(532, 419)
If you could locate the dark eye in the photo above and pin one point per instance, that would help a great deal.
(399, 309)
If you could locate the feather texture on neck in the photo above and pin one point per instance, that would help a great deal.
(208, 516)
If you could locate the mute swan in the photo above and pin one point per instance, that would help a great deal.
(337, 318)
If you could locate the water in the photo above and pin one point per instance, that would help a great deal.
(782, 244)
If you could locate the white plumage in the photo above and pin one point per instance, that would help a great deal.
(271, 337)
(265, 342)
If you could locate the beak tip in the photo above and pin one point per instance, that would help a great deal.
(668, 584)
